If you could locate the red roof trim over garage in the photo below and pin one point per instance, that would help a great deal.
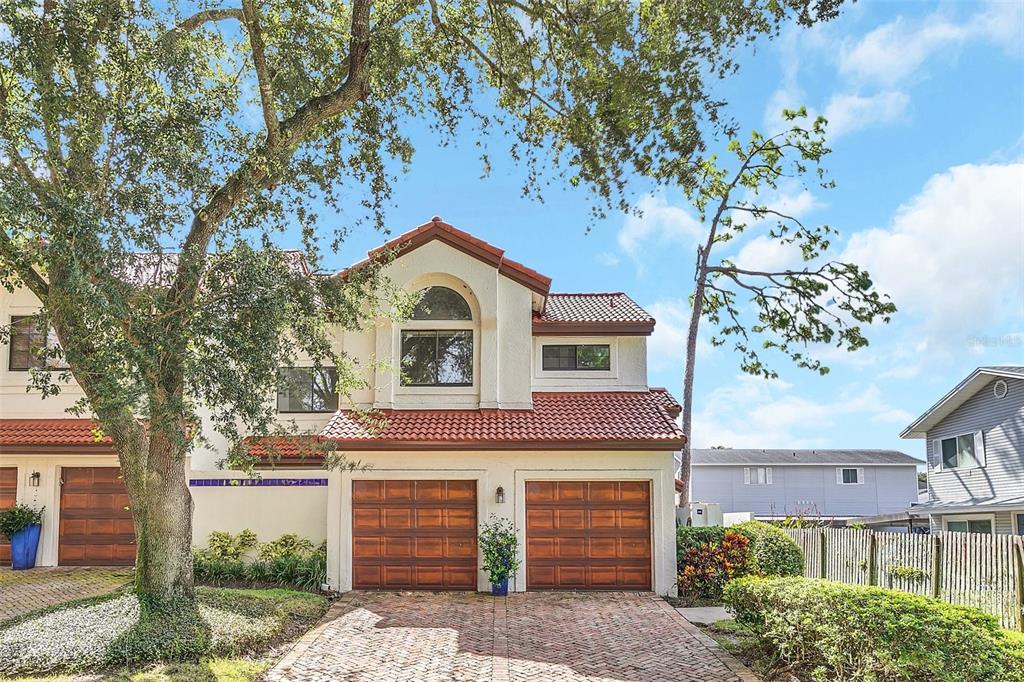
(52, 435)
(610, 420)
(467, 243)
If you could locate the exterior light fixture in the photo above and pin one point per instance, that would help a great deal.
(34, 478)
(499, 495)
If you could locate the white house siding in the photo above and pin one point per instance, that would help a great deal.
(1001, 420)
(807, 490)
(510, 470)
(1003, 520)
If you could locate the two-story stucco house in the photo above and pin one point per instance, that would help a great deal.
(831, 485)
(974, 438)
(498, 397)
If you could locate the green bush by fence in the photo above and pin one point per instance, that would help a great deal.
(846, 632)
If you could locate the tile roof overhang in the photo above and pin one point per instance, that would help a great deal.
(465, 242)
(592, 314)
(607, 420)
(53, 436)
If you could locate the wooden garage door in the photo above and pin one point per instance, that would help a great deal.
(96, 526)
(414, 535)
(588, 535)
(8, 496)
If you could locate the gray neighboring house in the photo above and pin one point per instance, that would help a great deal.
(974, 438)
(836, 485)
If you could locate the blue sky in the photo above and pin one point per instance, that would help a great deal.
(926, 109)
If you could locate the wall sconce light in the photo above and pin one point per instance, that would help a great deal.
(34, 478)
(499, 495)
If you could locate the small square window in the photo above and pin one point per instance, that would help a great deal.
(850, 476)
(307, 389)
(27, 345)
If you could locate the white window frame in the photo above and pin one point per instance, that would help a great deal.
(860, 475)
(991, 518)
(979, 451)
(748, 479)
(1018, 521)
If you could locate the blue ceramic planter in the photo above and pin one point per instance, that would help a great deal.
(500, 589)
(23, 547)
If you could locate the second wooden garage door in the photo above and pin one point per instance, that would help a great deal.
(414, 535)
(588, 535)
(96, 527)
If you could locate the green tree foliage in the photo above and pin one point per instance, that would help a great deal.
(197, 133)
(785, 311)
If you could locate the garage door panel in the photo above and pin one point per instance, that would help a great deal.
(588, 535)
(8, 496)
(427, 536)
(365, 518)
(95, 526)
(367, 491)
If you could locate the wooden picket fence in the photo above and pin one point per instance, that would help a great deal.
(970, 569)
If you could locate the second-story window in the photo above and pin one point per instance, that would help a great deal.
(962, 452)
(307, 389)
(28, 344)
(849, 476)
(595, 356)
(437, 346)
(757, 475)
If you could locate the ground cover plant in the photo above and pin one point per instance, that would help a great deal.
(825, 630)
(107, 632)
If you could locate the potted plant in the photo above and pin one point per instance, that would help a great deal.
(500, 548)
(20, 524)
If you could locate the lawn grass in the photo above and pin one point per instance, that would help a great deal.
(284, 615)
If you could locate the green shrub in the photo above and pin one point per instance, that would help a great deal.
(500, 546)
(17, 518)
(688, 537)
(848, 632)
(287, 545)
(288, 561)
(221, 545)
(708, 567)
(773, 552)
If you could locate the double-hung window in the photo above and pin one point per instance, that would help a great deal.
(307, 389)
(757, 475)
(437, 346)
(965, 451)
(849, 475)
(29, 346)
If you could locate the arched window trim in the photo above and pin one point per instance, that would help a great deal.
(434, 296)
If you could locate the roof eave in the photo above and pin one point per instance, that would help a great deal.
(541, 328)
(943, 408)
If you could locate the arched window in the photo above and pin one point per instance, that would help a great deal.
(439, 353)
(441, 303)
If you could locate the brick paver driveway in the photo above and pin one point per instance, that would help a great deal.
(547, 637)
(24, 591)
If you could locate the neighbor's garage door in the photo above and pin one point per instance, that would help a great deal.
(96, 526)
(8, 496)
(588, 535)
(414, 535)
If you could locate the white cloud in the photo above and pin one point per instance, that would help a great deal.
(894, 51)
(666, 349)
(752, 412)
(952, 257)
(660, 224)
(607, 259)
(847, 112)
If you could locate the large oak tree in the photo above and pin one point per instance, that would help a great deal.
(198, 132)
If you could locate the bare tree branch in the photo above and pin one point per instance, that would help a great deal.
(259, 61)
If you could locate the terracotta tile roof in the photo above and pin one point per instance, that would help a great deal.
(55, 433)
(612, 312)
(285, 447)
(465, 242)
(599, 420)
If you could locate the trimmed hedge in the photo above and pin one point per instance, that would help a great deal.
(870, 634)
(688, 537)
(773, 552)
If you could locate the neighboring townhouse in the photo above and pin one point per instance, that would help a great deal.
(498, 397)
(838, 486)
(974, 439)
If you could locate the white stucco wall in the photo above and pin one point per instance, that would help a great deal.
(510, 470)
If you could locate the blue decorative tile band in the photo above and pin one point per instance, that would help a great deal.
(243, 482)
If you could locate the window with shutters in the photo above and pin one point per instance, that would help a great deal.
(757, 475)
(849, 476)
(965, 451)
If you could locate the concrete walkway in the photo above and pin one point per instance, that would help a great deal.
(36, 588)
(542, 636)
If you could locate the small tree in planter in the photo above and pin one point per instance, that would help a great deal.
(20, 524)
(500, 546)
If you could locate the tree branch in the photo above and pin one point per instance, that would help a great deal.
(208, 16)
(28, 274)
(259, 61)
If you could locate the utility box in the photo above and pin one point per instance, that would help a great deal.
(705, 514)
